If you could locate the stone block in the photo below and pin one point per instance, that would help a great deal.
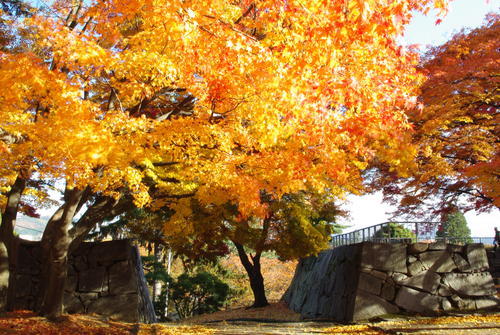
(106, 253)
(415, 301)
(369, 283)
(80, 263)
(416, 268)
(368, 305)
(439, 245)
(470, 284)
(83, 249)
(427, 281)
(388, 292)
(487, 303)
(417, 248)
(461, 263)
(88, 298)
(26, 263)
(454, 248)
(412, 259)
(71, 269)
(398, 278)
(378, 274)
(23, 285)
(476, 256)
(444, 291)
(92, 280)
(72, 304)
(446, 305)
(438, 261)
(384, 257)
(123, 307)
(121, 279)
(70, 283)
(463, 304)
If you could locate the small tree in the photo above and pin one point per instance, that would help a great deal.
(455, 228)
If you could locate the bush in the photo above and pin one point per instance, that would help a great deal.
(197, 294)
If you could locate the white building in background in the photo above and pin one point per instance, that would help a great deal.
(29, 228)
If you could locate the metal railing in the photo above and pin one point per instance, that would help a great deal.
(422, 231)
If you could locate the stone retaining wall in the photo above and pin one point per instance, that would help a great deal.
(365, 280)
(104, 278)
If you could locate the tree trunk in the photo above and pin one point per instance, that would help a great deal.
(169, 266)
(4, 272)
(156, 282)
(8, 254)
(56, 257)
(254, 275)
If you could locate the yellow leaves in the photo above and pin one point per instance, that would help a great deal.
(159, 329)
(464, 118)
(355, 329)
(284, 95)
(419, 325)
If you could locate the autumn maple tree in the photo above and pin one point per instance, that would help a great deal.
(456, 129)
(245, 96)
(296, 225)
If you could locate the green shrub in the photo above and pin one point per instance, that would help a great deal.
(197, 294)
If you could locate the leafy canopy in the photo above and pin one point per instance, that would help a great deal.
(457, 131)
(247, 96)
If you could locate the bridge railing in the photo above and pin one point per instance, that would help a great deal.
(421, 232)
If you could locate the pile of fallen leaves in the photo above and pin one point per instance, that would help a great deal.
(28, 323)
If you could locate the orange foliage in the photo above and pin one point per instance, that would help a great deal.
(246, 95)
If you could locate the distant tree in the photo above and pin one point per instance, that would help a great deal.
(455, 227)
(394, 230)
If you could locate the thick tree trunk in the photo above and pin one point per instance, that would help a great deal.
(56, 256)
(254, 272)
(8, 254)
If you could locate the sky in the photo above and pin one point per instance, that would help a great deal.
(369, 210)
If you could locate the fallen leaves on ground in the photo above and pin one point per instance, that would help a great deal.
(354, 329)
(379, 328)
(28, 323)
(274, 311)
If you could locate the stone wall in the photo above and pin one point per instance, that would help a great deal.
(104, 278)
(362, 281)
